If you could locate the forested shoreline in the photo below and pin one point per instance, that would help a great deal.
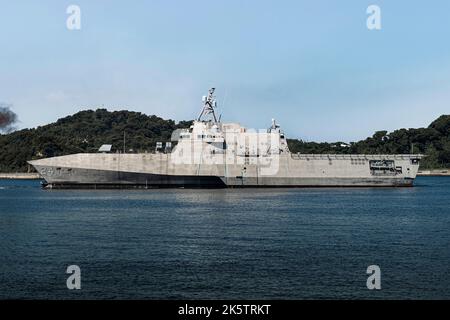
(87, 130)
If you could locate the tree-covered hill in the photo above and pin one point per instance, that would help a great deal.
(86, 131)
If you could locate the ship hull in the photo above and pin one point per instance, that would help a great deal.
(100, 171)
(104, 179)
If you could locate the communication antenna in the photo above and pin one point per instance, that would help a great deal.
(209, 103)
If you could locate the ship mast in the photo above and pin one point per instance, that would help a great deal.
(209, 103)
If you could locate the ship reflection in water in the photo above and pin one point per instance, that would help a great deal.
(225, 243)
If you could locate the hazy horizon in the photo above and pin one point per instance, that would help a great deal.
(314, 66)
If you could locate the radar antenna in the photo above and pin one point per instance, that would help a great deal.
(209, 103)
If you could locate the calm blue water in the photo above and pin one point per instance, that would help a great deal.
(232, 244)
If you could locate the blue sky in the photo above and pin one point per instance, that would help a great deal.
(312, 65)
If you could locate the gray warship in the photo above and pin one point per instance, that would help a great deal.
(212, 154)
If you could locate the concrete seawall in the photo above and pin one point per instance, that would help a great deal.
(22, 176)
(435, 172)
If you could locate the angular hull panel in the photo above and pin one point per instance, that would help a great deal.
(104, 179)
(63, 178)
